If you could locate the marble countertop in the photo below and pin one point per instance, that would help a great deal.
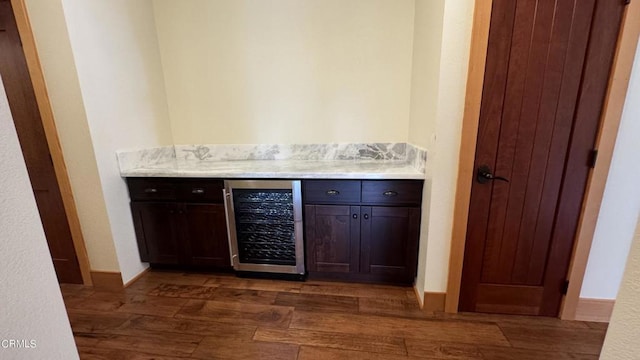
(284, 161)
(284, 169)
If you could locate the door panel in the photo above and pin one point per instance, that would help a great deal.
(538, 53)
(538, 221)
(33, 142)
(333, 238)
(600, 54)
(511, 299)
(543, 67)
(54, 222)
(206, 235)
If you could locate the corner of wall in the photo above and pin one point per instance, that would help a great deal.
(125, 100)
(427, 43)
(54, 49)
(453, 71)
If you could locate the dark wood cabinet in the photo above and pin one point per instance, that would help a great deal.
(180, 221)
(333, 238)
(389, 241)
(373, 239)
(355, 230)
(206, 235)
(157, 231)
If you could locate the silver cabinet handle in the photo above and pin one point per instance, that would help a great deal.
(151, 190)
(390, 193)
(333, 192)
(197, 191)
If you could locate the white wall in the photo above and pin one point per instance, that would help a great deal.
(442, 164)
(620, 205)
(52, 41)
(32, 307)
(621, 342)
(287, 71)
(118, 64)
(441, 45)
(425, 74)
(425, 80)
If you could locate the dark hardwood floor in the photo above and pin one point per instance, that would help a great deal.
(171, 315)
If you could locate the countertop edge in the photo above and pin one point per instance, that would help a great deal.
(271, 175)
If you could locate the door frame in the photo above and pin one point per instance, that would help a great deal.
(612, 113)
(51, 133)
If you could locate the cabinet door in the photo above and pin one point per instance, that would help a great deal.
(205, 233)
(332, 238)
(157, 231)
(389, 242)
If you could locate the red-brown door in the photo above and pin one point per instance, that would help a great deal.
(548, 65)
(26, 116)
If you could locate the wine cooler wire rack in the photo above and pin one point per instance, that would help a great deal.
(262, 196)
(265, 226)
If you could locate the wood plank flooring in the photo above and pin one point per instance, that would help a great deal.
(173, 315)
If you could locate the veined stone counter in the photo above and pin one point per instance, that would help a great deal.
(315, 161)
(285, 169)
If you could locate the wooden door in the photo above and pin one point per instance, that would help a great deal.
(546, 75)
(205, 235)
(26, 117)
(389, 242)
(332, 238)
(158, 231)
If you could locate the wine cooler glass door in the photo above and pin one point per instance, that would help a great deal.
(265, 226)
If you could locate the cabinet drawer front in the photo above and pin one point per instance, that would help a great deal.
(332, 191)
(151, 189)
(392, 192)
(201, 190)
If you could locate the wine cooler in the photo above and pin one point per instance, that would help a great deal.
(264, 218)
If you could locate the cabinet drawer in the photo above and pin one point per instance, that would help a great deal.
(391, 192)
(332, 191)
(201, 190)
(151, 189)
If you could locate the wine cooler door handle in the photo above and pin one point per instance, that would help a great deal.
(231, 230)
